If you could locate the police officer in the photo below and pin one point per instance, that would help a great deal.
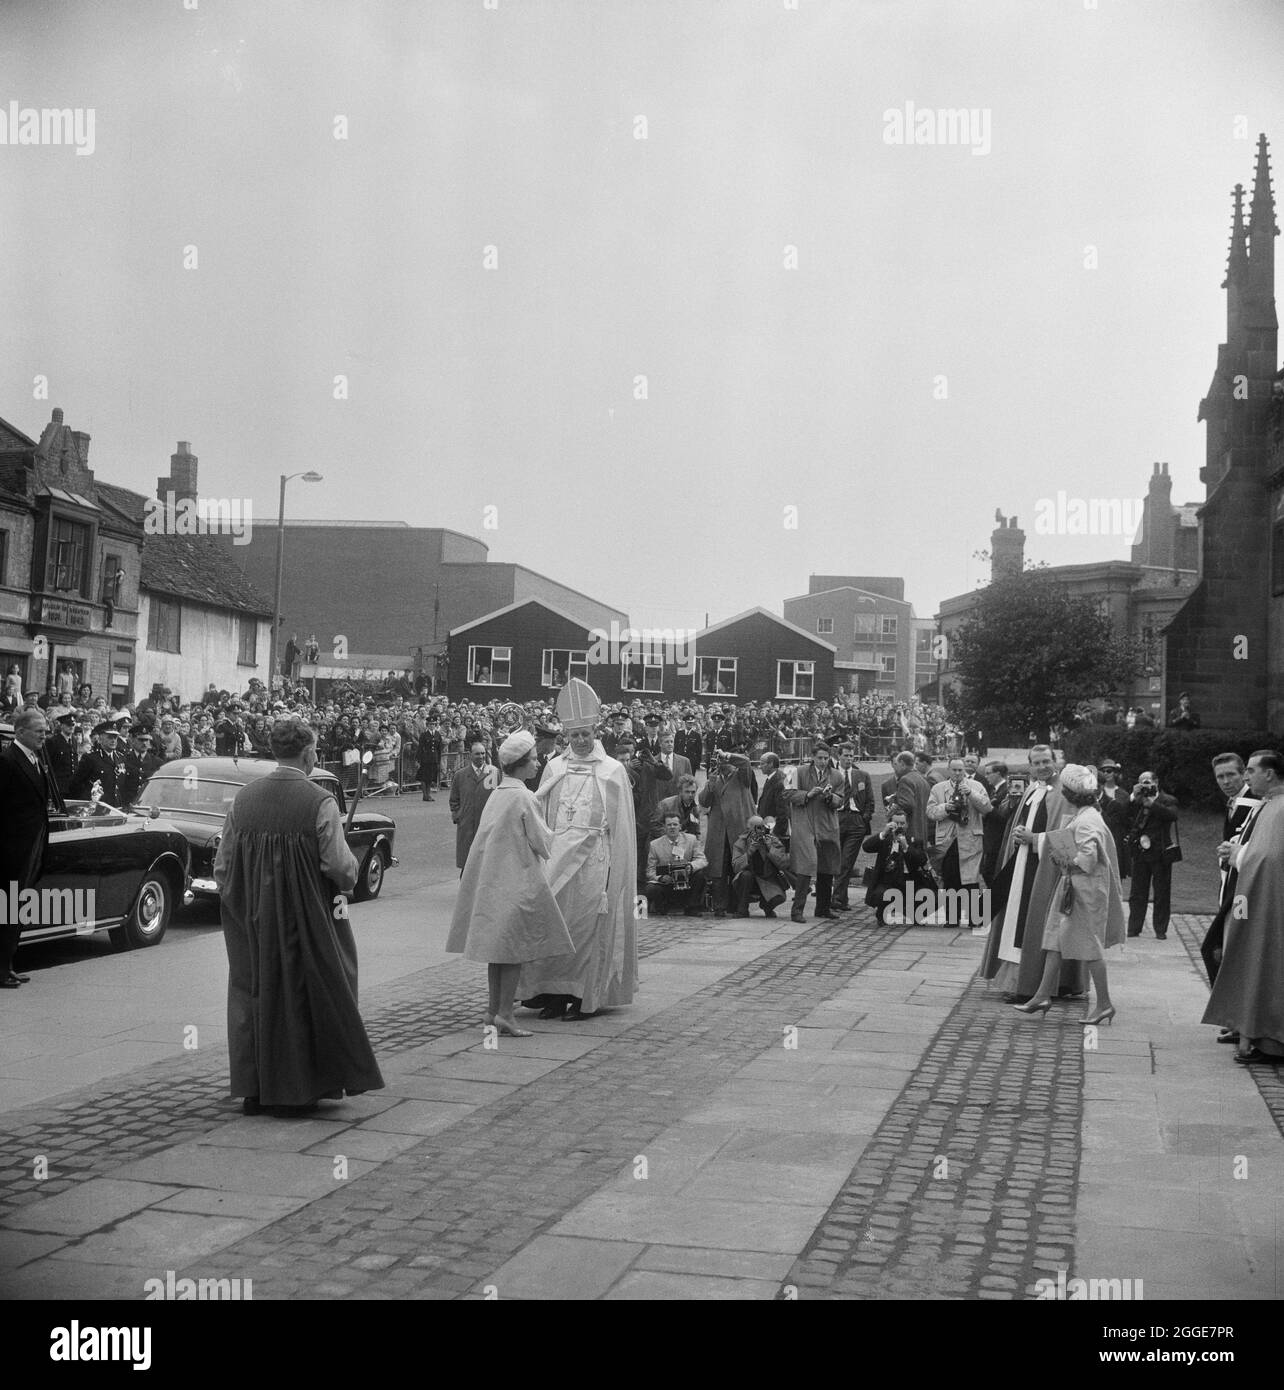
(99, 765)
(132, 775)
(60, 750)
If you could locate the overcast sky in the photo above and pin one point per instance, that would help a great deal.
(1121, 127)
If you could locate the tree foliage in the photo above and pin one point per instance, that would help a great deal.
(1030, 652)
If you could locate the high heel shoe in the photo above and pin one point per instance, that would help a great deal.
(1033, 1008)
(1105, 1016)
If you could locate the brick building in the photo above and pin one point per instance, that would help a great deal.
(70, 563)
(199, 619)
(1225, 646)
(393, 590)
(873, 629)
(1140, 594)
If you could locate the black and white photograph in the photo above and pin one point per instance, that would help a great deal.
(642, 658)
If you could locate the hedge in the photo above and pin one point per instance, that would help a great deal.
(1181, 759)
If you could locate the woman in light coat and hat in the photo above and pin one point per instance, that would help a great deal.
(1086, 915)
(506, 914)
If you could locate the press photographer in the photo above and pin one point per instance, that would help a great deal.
(1154, 847)
(900, 864)
(675, 868)
(759, 859)
(958, 806)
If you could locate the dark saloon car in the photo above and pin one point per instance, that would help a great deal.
(197, 793)
(129, 871)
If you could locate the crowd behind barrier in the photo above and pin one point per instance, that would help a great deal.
(407, 731)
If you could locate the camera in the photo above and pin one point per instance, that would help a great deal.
(956, 804)
(681, 875)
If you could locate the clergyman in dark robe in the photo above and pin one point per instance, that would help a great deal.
(295, 1035)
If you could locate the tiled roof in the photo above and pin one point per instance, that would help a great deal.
(200, 569)
(12, 438)
(131, 503)
(191, 567)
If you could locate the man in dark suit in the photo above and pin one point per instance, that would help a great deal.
(99, 765)
(773, 806)
(470, 789)
(855, 820)
(1151, 830)
(644, 774)
(60, 748)
(24, 825)
(912, 792)
(676, 762)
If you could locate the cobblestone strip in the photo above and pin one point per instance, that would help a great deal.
(91, 1131)
(1269, 1080)
(446, 1213)
(967, 1189)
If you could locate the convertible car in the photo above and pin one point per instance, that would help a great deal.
(105, 870)
(196, 794)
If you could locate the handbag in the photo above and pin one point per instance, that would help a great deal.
(1066, 905)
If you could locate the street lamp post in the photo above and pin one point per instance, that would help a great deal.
(308, 477)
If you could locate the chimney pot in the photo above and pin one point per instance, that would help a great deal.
(57, 415)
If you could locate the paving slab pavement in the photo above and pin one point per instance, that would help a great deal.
(828, 1110)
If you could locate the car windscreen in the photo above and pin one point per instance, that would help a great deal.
(195, 794)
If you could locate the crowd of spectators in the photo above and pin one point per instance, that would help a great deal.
(390, 723)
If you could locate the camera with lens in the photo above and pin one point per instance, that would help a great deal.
(956, 804)
(681, 875)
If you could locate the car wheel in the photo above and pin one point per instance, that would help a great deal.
(370, 879)
(149, 916)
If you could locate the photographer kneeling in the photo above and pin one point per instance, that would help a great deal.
(675, 871)
(759, 859)
(899, 869)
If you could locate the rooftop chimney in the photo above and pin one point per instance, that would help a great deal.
(182, 475)
(1007, 548)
